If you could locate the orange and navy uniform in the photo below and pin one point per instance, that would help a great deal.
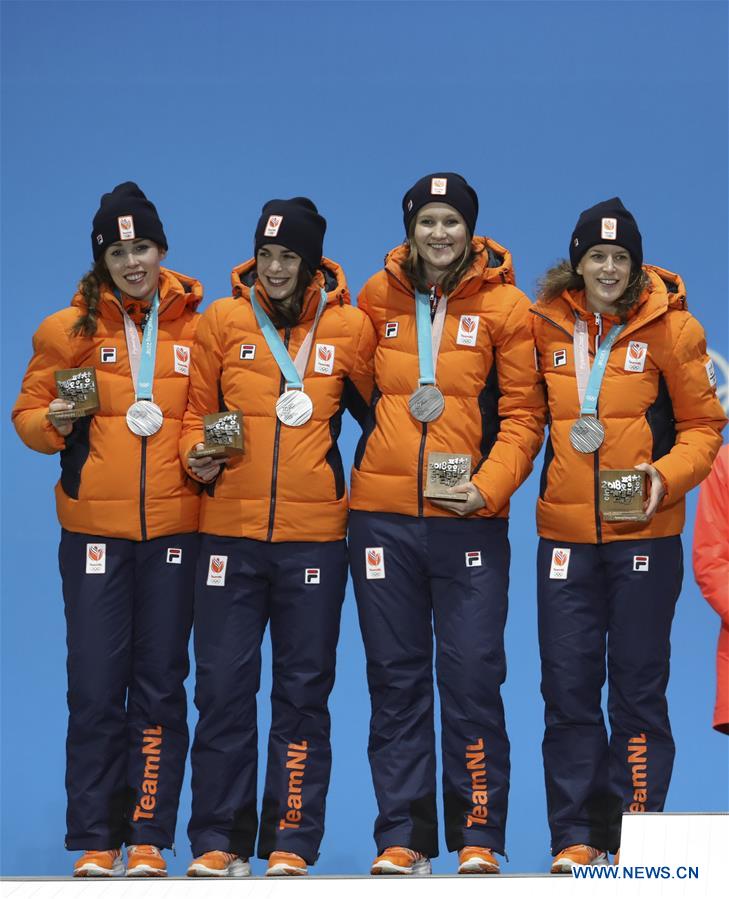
(272, 551)
(615, 584)
(711, 569)
(289, 482)
(128, 552)
(113, 483)
(658, 404)
(416, 566)
(494, 407)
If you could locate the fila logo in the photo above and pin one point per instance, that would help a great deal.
(609, 229)
(375, 562)
(248, 351)
(560, 358)
(126, 227)
(438, 186)
(473, 560)
(96, 558)
(391, 329)
(272, 225)
(108, 354)
(312, 576)
(641, 563)
(468, 330)
(174, 556)
(324, 361)
(216, 571)
(560, 564)
(711, 373)
(635, 356)
(182, 359)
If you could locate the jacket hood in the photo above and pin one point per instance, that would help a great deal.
(665, 290)
(177, 293)
(329, 276)
(492, 265)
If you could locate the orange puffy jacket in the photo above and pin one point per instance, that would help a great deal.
(658, 404)
(494, 407)
(711, 568)
(114, 483)
(289, 483)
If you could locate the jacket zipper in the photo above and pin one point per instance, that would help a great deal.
(421, 454)
(551, 322)
(276, 439)
(596, 454)
(142, 489)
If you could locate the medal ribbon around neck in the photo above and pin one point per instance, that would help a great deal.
(587, 433)
(293, 409)
(427, 402)
(144, 416)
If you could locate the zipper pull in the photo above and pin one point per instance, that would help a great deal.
(598, 322)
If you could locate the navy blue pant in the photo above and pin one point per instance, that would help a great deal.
(618, 597)
(450, 575)
(299, 589)
(128, 614)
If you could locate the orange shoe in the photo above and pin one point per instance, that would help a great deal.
(475, 860)
(577, 855)
(99, 863)
(399, 860)
(286, 864)
(145, 861)
(217, 863)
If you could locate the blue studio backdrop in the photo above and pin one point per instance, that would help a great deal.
(215, 107)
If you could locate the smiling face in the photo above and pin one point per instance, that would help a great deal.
(134, 267)
(440, 237)
(605, 270)
(278, 270)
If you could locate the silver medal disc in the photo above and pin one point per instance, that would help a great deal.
(587, 434)
(427, 403)
(294, 408)
(144, 418)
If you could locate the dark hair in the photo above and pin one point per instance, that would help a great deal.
(89, 287)
(414, 267)
(286, 313)
(563, 277)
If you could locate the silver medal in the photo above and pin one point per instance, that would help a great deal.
(587, 434)
(294, 408)
(427, 403)
(144, 418)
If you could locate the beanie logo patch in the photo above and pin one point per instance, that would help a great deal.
(272, 225)
(126, 227)
(609, 230)
(410, 205)
(99, 239)
(324, 364)
(635, 356)
(438, 186)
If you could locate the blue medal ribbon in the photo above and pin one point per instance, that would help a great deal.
(597, 372)
(145, 379)
(424, 326)
(277, 346)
